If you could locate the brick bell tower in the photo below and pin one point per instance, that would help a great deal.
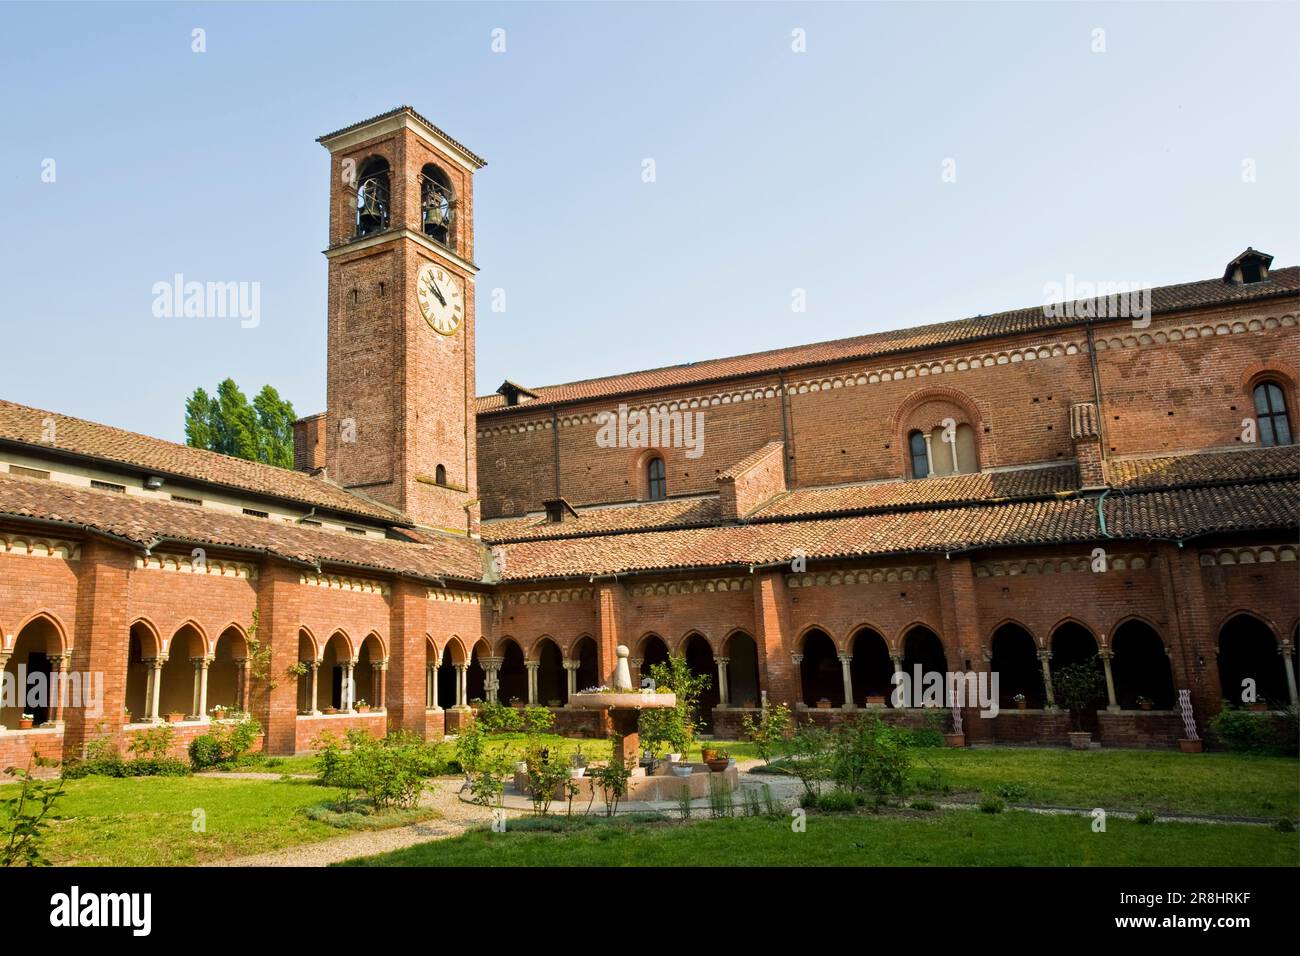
(400, 368)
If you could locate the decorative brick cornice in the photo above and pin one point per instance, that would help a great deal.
(691, 587)
(864, 576)
(39, 547)
(1033, 566)
(550, 596)
(1262, 555)
(1172, 332)
(445, 596)
(339, 582)
(187, 564)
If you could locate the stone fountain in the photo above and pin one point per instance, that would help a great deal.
(621, 707)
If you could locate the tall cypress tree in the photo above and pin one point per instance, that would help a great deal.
(228, 423)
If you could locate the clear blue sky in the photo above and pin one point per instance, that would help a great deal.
(775, 170)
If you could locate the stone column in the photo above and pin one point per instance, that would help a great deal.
(490, 667)
(313, 684)
(571, 676)
(929, 454)
(1286, 650)
(379, 682)
(200, 687)
(898, 669)
(349, 690)
(845, 661)
(1106, 655)
(58, 690)
(532, 667)
(724, 691)
(433, 686)
(798, 680)
(1045, 658)
(155, 689)
(4, 662)
(241, 684)
(462, 682)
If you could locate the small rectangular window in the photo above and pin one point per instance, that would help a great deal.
(108, 486)
(256, 514)
(311, 521)
(29, 472)
(182, 500)
(356, 530)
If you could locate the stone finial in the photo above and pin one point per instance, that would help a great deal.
(622, 673)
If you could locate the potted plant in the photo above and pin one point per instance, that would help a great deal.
(1145, 703)
(219, 711)
(1079, 686)
(721, 760)
(1258, 706)
(824, 703)
(329, 710)
(175, 717)
(875, 700)
(578, 759)
(708, 754)
(126, 715)
(1189, 746)
(362, 707)
(554, 702)
(682, 769)
(576, 772)
(1021, 703)
(25, 721)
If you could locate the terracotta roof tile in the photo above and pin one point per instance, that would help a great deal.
(24, 425)
(673, 513)
(1174, 514)
(1242, 464)
(1172, 298)
(147, 523)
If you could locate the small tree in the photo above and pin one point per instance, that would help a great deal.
(807, 755)
(674, 726)
(23, 817)
(1079, 686)
(768, 731)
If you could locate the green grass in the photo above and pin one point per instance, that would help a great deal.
(147, 821)
(953, 838)
(1214, 783)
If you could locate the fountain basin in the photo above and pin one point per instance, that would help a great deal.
(626, 700)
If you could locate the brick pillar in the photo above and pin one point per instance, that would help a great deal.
(408, 657)
(609, 617)
(778, 674)
(1085, 432)
(1191, 643)
(102, 638)
(962, 636)
(280, 612)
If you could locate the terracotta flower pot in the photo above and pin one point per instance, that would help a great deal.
(709, 754)
(1080, 739)
(175, 717)
(717, 766)
(823, 704)
(955, 740)
(1189, 746)
(1022, 704)
(1259, 707)
(24, 724)
(1146, 705)
(876, 701)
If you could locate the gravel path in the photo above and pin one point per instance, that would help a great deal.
(455, 818)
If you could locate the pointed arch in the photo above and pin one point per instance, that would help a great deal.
(57, 640)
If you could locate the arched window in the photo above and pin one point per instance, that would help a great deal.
(920, 456)
(440, 475)
(437, 204)
(656, 480)
(1270, 412)
(372, 197)
(954, 453)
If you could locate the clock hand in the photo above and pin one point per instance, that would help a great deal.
(433, 287)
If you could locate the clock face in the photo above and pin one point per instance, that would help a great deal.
(441, 298)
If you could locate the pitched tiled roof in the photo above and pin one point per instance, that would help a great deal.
(673, 513)
(1172, 298)
(1170, 515)
(149, 523)
(928, 492)
(23, 425)
(1244, 464)
(406, 109)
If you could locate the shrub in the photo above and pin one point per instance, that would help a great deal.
(154, 743)
(992, 804)
(1145, 818)
(387, 773)
(23, 822)
(1080, 687)
(869, 755)
(1284, 825)
(497, 718)
(768, 731)
(837, 801)
(925, 805)
(674, 726)
(808, 757)
(1245, 732)
(205, 752)
(1012, 792)
(224, 744)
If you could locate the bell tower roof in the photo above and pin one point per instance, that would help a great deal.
(401, 116)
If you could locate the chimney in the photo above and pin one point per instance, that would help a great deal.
(1085, 431)
(556, 509)
(309, 443)
(753, 481)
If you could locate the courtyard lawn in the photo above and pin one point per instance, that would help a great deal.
(951, 838)
(148, 821)
(1220, 784)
